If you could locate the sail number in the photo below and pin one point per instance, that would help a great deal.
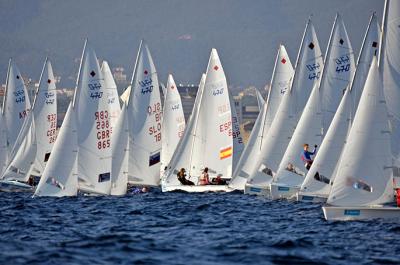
(95, 92)
(52, 131)
(103, 131)
(342, 64)
(155, 129)
(313, 70)
(146, 86)
(19, 96)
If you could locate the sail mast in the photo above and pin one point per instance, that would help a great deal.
(5, 91)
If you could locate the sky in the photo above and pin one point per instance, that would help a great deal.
(180, 34)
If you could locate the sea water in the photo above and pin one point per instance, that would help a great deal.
(183, 228)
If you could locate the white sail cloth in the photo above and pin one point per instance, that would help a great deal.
(60, 177)
(364, 175)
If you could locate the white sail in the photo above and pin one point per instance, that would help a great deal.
(238, 145)
(18, 167)
(364, 177)
(208, 141)
(120, 154)
(93, 120)
(173, 125)
(39, 132)
(16, 105)
(45, 118)
(60, 177)
(390, 69)
(316, 117)
(112, 94)
(281, 76)
(338, 70)
(308, 70)
(145, 119)
(321, 173)
(3, 145)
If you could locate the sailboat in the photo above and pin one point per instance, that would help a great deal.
(318, 113)
(212, 138)
(308, 68)
(60, 176)
(93, 120)
(38, 134)
(112, 94)
(173, 125)
(281, 76)
(390, 68)
(144, 113)
(317, 184)
(364, 180)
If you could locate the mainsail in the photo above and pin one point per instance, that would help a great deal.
(145, 121)
(93, 120)
(173, 125)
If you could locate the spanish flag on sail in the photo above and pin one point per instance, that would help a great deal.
(225, 152)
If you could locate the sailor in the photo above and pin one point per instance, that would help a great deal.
(204, 177)
(306, 156)
(182, 177)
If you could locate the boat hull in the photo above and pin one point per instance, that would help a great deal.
(15, 186)
(310, 198)
(198, 189)
(337, 213)
(282, 191)
(256, 190)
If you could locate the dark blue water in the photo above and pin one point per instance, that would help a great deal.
(181, 228)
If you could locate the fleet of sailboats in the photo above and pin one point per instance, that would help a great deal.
(350, 111)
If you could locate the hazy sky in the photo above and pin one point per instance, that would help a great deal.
(180, 33)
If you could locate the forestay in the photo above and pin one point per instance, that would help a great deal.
(364, 178)
(316, 117)
(281, 76)
(60, 176)
(93, 120)
(318, 179)
(308, 70)
(145, 118)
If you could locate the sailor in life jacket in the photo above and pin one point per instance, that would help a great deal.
(306, 156)
(204, 177)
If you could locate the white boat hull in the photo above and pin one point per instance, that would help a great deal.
(311, 198)
(15, 186)
(195, 188)
(282, 191)
(256, 190)
(336, 213)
